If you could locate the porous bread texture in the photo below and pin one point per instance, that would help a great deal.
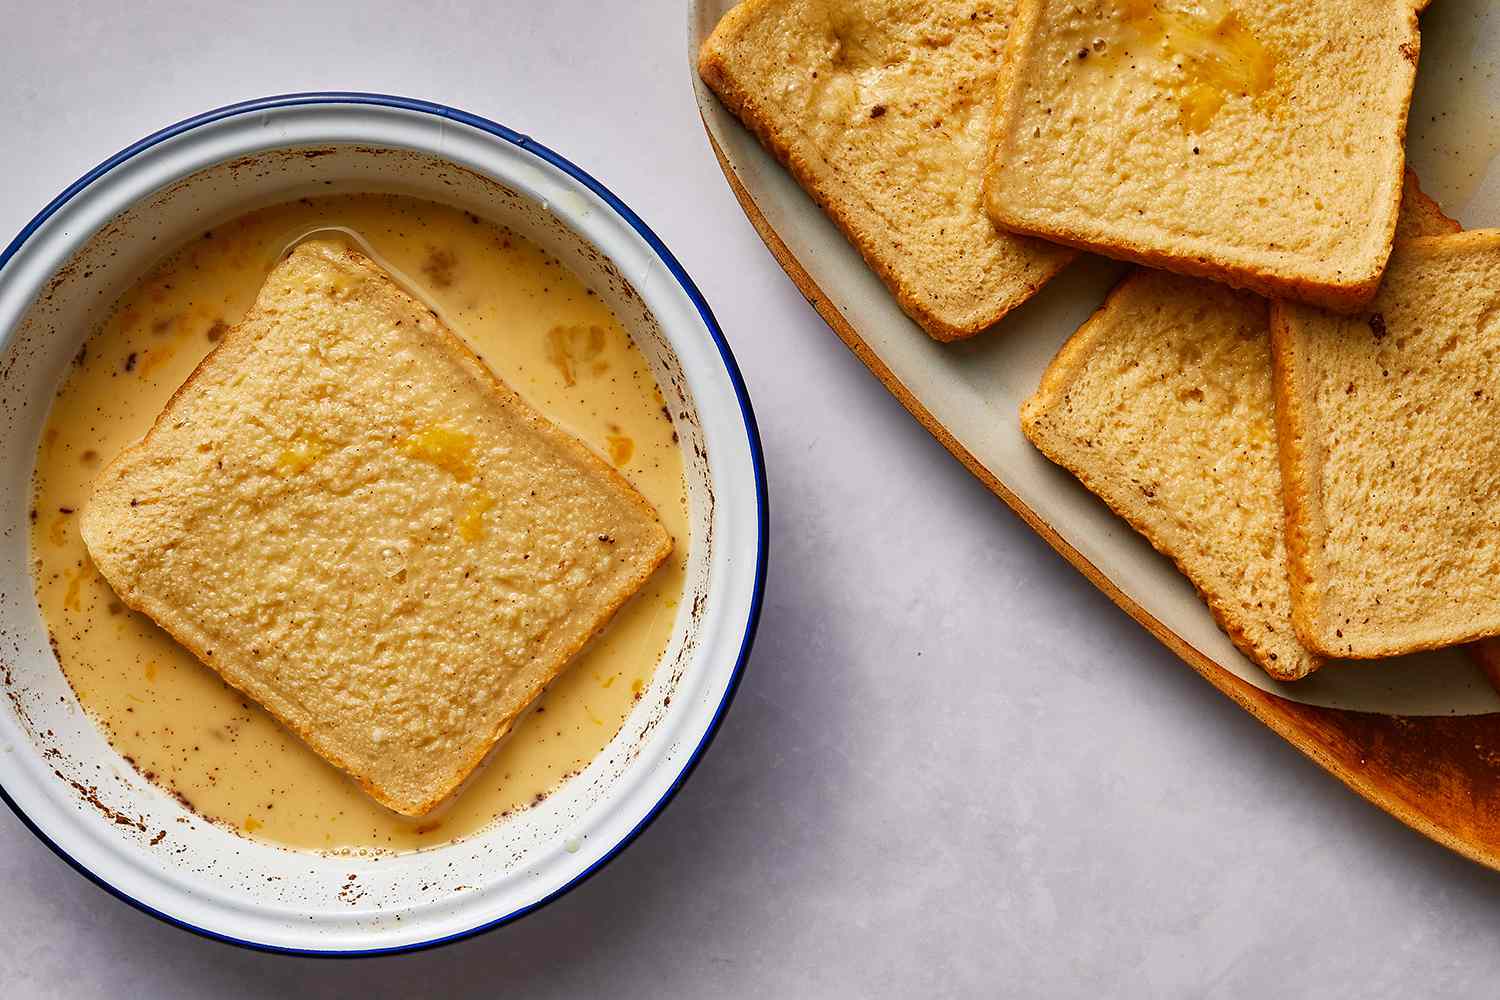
(880, 110)
(1162, 405)
(1110, 135)
(352, 520)
(1390, 458)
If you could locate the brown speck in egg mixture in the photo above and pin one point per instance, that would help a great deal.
(438, 267)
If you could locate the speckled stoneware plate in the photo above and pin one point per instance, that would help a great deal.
(1416, 736)
(56, 769)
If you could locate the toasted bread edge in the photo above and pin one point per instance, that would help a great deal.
(1296, 454)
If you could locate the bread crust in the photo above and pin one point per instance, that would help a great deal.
(712, 67)
(1298, 456)
(1486, 656)
(1347, 296)
(1421, 216)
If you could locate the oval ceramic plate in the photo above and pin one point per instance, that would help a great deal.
(1415, 736)
(88, 804)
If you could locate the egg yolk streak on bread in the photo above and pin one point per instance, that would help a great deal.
(1259, 145)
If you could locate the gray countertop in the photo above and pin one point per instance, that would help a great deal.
(953, 768)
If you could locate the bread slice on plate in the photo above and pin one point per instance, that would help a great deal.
(345, 514)
(1390, 456)
(880, 110)
(1162, 405)
(1256, 144)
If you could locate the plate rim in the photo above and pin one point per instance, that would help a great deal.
(525, 143)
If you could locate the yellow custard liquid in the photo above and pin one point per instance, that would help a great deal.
(1213, 55)
(537, 326)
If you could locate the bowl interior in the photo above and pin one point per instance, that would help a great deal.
(55, 764)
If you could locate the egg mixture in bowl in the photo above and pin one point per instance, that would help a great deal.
(175, 790)
(537, 326)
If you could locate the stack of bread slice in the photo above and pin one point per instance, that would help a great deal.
(1294, 397)
(1162, 404)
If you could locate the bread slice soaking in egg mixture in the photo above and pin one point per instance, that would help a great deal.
(351, 519)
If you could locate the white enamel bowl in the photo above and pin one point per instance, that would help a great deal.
(56, 769)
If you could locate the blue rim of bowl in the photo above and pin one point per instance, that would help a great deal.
(752, 433)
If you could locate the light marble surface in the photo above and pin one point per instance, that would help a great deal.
(954, 768)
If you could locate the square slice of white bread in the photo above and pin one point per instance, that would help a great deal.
(1390, 455)
(1162, 405)
(347, 516)
(880, 109)
(1260, 145)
